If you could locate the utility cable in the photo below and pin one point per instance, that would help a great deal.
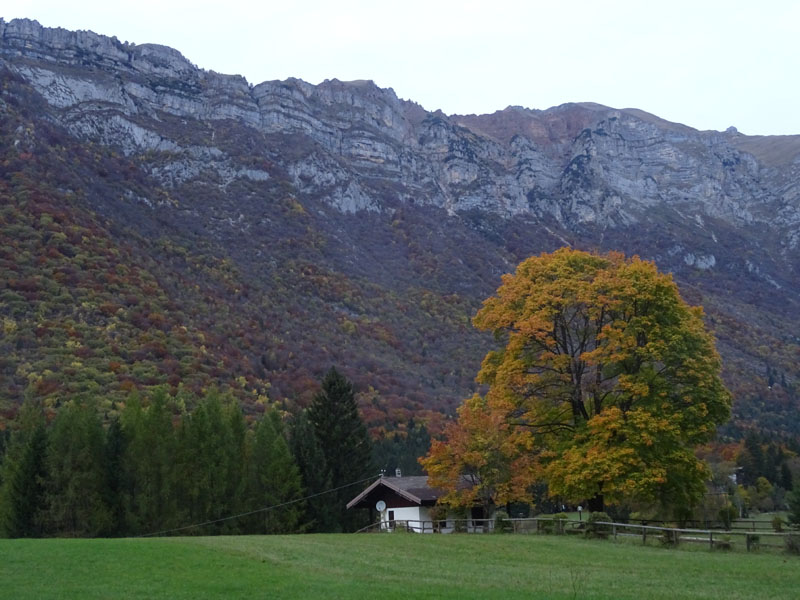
(253, 512)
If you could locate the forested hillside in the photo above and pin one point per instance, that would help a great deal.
(164, 225)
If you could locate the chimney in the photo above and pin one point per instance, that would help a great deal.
(397, 472)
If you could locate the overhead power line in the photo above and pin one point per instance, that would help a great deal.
(260, 510)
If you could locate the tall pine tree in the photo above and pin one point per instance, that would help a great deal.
(149, 466)
(22, 495)
(209, 466)
(273, 479)
(345, 443)
(115, 452)
(314, 473)
(77, 474)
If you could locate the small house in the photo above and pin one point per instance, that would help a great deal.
(407, 502)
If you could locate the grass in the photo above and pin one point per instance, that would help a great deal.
(385, 566)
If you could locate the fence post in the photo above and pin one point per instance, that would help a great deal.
(644, 536)
(614, 530)
(747, 541)
(711, 539)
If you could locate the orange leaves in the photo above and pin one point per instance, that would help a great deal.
(611, 376)
(484, 458)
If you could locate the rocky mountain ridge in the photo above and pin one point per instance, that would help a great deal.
(721, 210)
(578, 164)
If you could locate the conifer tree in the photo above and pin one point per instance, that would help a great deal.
(4, 436)
(403, 452)
(115, 452)
(344, 441)
(786, 477)
(207, 457)
(149, 466)
(751, 459)
(314, 474)
(273, 479)
(794, 508)
(76, 485)
(22, 494)
(237, 464)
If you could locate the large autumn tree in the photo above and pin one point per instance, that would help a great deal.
(606, 381)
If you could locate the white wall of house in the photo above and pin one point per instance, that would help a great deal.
(418, 519)
(412, 516)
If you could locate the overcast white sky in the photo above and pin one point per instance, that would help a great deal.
(705, 63)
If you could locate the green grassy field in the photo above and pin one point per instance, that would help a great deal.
(385, 566)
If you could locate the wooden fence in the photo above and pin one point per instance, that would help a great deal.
(748, 539)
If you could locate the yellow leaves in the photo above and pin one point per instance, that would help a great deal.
(483, 447)
(606, 379)
(9, 326)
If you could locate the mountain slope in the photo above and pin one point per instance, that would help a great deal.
(289, 227)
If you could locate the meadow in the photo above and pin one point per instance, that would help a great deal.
(385, 566)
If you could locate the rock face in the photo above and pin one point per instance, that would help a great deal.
(581, 165)
(700, 203)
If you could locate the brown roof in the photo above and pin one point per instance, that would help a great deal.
(414, 489)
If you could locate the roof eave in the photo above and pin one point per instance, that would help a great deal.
(407, 495)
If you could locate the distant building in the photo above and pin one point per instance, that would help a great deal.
(406, 502)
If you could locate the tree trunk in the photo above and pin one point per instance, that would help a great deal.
(596, 504)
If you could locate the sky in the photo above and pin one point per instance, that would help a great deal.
(708, 64)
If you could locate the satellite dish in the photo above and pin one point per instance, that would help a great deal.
(381, 506)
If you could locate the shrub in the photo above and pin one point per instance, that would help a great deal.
(777, 524)
(402, 527)
(460, 520)
(727, 514)
(544, 526)
(593, 526)
(559, 522)
(794, 508)
(439, 517)
(501, 522)
(723, 544)
(619, 513)
(669, 537)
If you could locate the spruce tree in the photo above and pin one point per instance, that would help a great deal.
(206, 461)
(149, 466)
(794, 508)
(237, 455)
(786, 477)
(314, 473)
(344, 441)
(117, 485)
(273, 479)
(4, 437)
(398, 451)
(22, 494)
(751, 460)
(77, 474)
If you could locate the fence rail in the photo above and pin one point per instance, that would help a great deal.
(749, 539)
